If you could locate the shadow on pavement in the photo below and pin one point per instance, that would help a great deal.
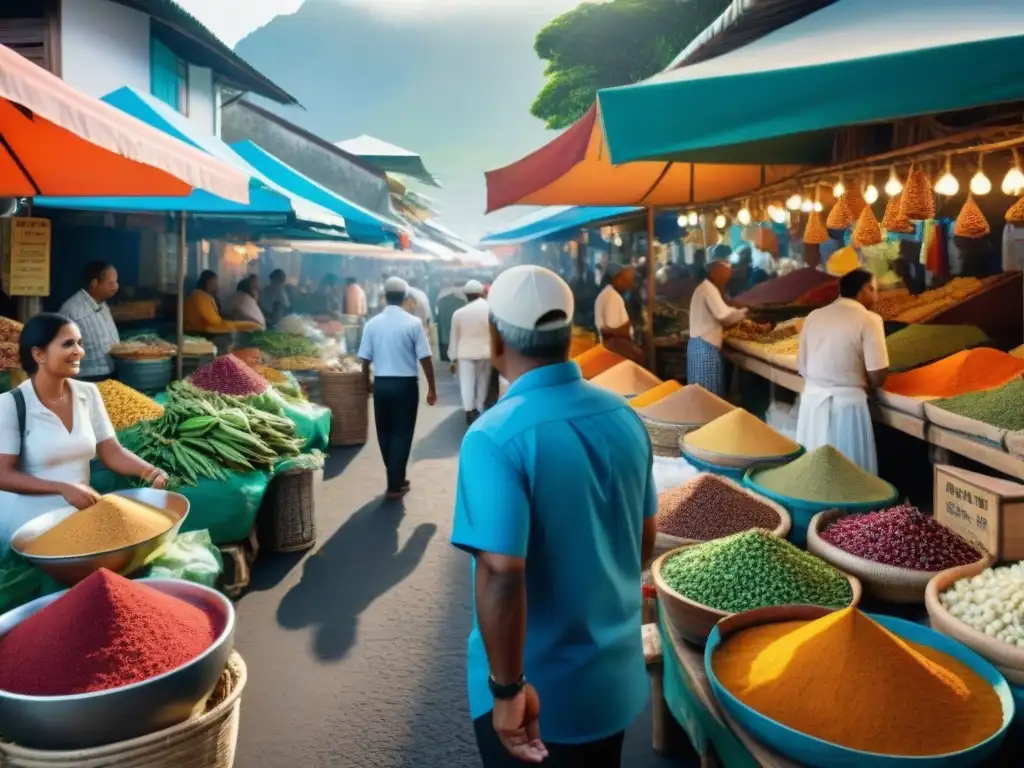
(358, 564)
(339, 458)
(443, 441)
(273, 567)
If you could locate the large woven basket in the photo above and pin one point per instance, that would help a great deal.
(345, 394)
(886, 582)
(665, 435)
(207, 741)
(287, 516)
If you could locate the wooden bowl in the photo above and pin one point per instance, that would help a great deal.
(666, 541)
(1006, 658)
(694, 621)
(886, 582)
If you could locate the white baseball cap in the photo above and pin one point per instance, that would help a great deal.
(395, 285)
(522, 295)
(473, 287)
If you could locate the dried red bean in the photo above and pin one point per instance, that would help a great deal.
(229, 376)
(901, 536)
(706, 507)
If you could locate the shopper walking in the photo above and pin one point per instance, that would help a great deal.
(394, 343)
(470, 350)
(556, 503)
(88, 309)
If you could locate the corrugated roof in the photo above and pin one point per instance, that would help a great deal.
(188, 37)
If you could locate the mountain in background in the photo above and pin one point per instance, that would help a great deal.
(455, 87)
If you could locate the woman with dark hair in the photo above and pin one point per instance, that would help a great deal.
(245, 305)
(202, 312)
(842, 357)
(51, 427)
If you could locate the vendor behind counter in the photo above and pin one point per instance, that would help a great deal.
(89, 310)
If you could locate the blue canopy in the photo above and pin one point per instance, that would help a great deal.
(363, 225)
(781, 98)
(555, 220)
(265, 197)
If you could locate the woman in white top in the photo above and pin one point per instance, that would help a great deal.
(45, 466)
(245, 304)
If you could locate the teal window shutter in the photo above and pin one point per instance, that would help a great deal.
(164, 74)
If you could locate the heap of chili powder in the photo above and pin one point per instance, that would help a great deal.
(229, 376)
(104, 633)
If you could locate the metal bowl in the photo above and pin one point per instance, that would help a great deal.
(105, 717)
(125, 561)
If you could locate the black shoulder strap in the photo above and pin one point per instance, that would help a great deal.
(19, 406)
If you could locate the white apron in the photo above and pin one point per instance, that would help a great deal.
(838, 416)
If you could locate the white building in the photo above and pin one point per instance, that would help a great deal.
(154, 46)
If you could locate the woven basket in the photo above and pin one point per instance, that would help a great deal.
(694, 621)
(287, 516)
(1008, 659)
(665, 435)
(886, 582)
(345, 394)
(207, 741)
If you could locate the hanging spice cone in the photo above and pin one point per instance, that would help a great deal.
(1016, 213)
(841, 216)
(918, 202)
(867, 231)
(971, 222)
(815, 232)
(855, 199)
(892, 220)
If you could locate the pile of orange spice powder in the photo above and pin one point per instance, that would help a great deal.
(973, 370)
(849, 681)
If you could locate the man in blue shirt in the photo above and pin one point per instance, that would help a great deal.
(556, 503)
(394, 342)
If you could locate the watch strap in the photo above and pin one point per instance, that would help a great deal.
(506, 692)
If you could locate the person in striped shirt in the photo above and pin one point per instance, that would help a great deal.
(89, 310)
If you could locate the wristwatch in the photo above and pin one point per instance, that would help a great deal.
(506, 692)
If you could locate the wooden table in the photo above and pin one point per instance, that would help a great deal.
(943, 441)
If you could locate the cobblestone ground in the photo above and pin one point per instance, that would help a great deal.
(356, 649)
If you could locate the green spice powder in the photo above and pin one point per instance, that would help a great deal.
(1002, 407)
(919, 344)
(751, 570)
(824, 475)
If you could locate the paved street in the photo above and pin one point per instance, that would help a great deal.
(356, 650)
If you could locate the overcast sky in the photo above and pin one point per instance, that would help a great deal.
(232, 20)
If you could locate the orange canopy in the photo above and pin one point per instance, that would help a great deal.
(59, 142)
(574, 169)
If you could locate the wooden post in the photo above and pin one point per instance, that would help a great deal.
(182, 264)
(650, 289)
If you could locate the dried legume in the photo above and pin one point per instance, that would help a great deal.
(707, 507)
(126, 406)
(1002, 407)
(751, 570)
(919, 344)
(991, 602)
(900, 536)
(826, 476)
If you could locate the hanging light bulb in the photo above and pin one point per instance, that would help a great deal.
(794, 202)
(839, 189)
(770, 211)
(618, 241)
(807, 205)
(720, 221)
(779, 215)
(980, 184)
(870, 192)
(893, 186)
(818, 207)
(947, 184)
(743, 217)
(1013, 182)
(692, 219)
(681, 221)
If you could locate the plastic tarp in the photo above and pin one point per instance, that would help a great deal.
(555, 220)
(363, 225)
(312, 424)
(265, 196)
(226, 508)
(780, 98)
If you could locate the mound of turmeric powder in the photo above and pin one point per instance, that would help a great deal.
(849, 681)
(111, 523)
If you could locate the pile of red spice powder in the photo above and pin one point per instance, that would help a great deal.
(229, 376)
(902, 536)
(104, 633)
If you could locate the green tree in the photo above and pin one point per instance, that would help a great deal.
(602, 45)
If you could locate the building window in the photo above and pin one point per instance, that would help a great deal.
(168, 76)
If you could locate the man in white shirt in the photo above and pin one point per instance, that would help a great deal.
(244, 305)
(710, 315)
(842, 355)
(611, 318)
(470, 350)
(89, 310)
(394, 342)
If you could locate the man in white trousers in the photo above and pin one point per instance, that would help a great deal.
(470, 350)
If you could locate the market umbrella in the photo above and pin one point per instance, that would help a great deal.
(57, 141)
